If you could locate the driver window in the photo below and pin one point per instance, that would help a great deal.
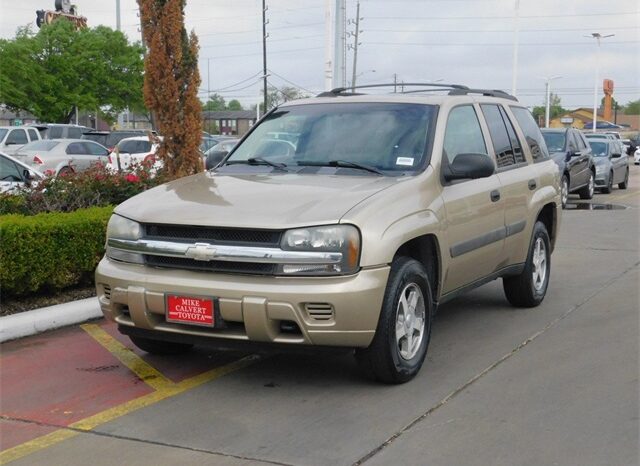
(573, 147)
(463, 134)
(9, 171)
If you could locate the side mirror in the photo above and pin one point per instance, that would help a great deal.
(214, 158)
(27, 176)
(576, 153)
(469, 166)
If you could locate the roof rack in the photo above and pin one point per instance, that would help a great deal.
(454, 89)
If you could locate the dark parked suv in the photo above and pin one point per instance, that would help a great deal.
(572, 152)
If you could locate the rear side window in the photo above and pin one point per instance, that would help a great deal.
(573, 144)
(134, 147)
(582, 142)
(55, 132)
(505, 142)
(76, 148)
(463, 134)
(95, 149)
(74, 133)
(33, 135)
(532, 133)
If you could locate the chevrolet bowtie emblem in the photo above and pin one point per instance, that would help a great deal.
(201, 252)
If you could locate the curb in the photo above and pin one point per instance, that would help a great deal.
(48, 318)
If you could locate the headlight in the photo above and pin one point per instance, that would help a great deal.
(344, 239)
(123, 228)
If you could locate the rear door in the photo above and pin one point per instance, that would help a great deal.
(474, 209)
(579, 159)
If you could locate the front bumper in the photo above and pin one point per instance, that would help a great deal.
(329, 311)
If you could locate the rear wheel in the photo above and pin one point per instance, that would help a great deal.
(609, 186)
(159, 346)
(530, 287)
(625, 183)
(587, 191)
(404, 327)
(65, 171)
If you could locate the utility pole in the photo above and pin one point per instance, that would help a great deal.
(118, 22)
(208, 80)
(328, 49)
(264, 56)
(516, 41)
(355, 47)
(598, 37)
(395, 82)
(339, 45)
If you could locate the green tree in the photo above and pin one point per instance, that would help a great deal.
(49, 73)
(234, 105)
(632, 108)
(277, 96)
(215, 103)
(555, 108)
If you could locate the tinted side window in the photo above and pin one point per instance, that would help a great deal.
(583, 144)
(499, 135)
(95, 149)
(518, 153)
(17, 136)
(532, 133)
(76, 148)
(33, 135)
(9, 171)
(572, 143)
(74, 133)
(463, 134)
(55, 132)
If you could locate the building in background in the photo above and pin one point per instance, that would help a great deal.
(229, 122)
(582, 117)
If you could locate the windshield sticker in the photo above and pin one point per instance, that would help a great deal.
(405, 161)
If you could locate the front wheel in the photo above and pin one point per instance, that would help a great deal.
(588, 190)
(625, 183)
(530, 287)
(404, 328)
(159, 346)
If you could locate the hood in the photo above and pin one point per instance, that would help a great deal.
(601, 161)
(253, 200)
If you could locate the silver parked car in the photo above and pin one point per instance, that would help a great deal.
(14, 137)
(611, 166)
(15, 174)
(62, 156)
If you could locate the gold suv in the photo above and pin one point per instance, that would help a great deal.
(342, 220)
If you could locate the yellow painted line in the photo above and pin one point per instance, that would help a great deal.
(147, 373)
(163, 387)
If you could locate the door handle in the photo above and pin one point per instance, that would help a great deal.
(495, 195)
(532, 185)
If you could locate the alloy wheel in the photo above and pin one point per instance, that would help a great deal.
(539, 264)
(410, 321)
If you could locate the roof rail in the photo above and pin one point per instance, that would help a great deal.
(338, 91)
(454, 89)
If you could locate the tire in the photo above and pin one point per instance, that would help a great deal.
(564, 190)
(65, 171)
(625, 183)
(529, 289)
(609, 186)
(159, 346)
(589, 189)
(392, 358)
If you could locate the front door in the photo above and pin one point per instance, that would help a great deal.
(474, 208)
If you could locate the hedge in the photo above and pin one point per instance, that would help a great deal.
(50, 251)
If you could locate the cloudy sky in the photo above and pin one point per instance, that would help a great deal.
(459, 41)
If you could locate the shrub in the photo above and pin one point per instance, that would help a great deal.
(50, 251)
(94, 187)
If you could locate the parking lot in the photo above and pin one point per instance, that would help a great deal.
(557, 384)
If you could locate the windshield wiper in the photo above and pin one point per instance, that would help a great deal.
(342, 163)
(259, 161)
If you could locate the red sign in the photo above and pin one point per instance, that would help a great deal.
(190, 310)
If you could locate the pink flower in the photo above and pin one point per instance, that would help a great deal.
(132, 178)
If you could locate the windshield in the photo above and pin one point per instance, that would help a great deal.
(3, 133)
(386, 136)
(599, 148)
(134, 147)
(44, 145)
(555, 140)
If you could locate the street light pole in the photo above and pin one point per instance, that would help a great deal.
(598, 37)
(264, 56)
(516, 39)
(548, 98)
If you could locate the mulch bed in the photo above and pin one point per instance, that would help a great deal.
(15, 305)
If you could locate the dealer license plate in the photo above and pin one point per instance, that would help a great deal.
(193, 310)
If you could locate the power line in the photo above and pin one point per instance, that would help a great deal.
(288, 81)
(495, 44)
(260, 42)
(502, 30)
(260, 53)
(414, 18)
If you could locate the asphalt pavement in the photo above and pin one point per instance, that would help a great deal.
(557, 384)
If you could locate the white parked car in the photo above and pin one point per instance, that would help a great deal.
(13, 138)
(136, 150)
(15, 174)
(636, 156)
